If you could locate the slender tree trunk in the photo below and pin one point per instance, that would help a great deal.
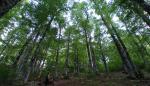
(76, 60)
(41, 67)
(67, 57)
(37, 65)
(102, 55)
(93, 57)
(105, 63)
(87, 39)
(57, 53)
(88, 50)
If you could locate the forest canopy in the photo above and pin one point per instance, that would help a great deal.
(64, 38)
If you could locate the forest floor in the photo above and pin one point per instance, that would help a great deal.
(113, 79)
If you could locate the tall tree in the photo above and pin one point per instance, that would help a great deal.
(127, 62)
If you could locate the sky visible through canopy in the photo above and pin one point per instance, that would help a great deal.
(67, 15)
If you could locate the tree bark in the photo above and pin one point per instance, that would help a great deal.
(57, 53)
(105, 63)
(132, 70)
(67, 57)
(93, 57)
(76, 60)
(37, 49)
(25, 45)
(140, 47)
(88, 49)
(6, 5)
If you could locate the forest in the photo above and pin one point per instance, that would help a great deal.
(74, 42)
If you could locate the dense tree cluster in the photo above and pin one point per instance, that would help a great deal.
(63, 37)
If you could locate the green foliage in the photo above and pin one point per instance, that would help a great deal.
(30, 35)
(7, 75)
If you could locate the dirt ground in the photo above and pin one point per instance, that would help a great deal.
(113, 79)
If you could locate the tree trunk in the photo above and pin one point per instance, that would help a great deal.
(57, 53)
(26, 45)
(93, 57)
(6, 5)
(37, 49)
(103, 58)
(67, 57)
(76, 60)
(140, 47)
(132, 70)
(88, 50)
(105, 63)
(27, 49)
